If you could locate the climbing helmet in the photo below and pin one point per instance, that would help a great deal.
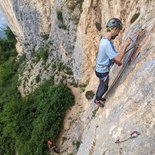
(114, 22)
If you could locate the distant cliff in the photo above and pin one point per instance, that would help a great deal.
(66, 34)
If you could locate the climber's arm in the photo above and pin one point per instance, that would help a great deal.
(121, 54)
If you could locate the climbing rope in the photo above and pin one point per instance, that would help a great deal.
(131, 50)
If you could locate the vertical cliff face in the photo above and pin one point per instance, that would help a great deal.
(49, 25)
(28, 20)
(68, 29)
(130, 106)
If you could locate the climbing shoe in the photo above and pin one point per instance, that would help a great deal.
(103, 99)
(99, 103)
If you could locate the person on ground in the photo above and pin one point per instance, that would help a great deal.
(52, 146)
(107, 56)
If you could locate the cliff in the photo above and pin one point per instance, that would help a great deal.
(67, 29)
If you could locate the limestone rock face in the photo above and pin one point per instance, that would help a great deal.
(68, 29)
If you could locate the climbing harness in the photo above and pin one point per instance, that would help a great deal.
(134, 134)
(129, 53)
(103, 67)
(105, 78)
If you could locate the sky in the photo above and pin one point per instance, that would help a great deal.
(3, 21)
(3, 24)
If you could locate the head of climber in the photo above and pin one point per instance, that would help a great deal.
(114, 26)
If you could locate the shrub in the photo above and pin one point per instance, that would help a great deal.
(83, 86)
(42, 53)
(35, 118)
(76, 144)
(60, 66)
(45, 36)
(80, 2)
(68, 70)
(38, 79)
(8, 79)
(71, 4)
(94, 112)
(59, 15)
(7, 71)
(89, 95)
(10, 35)
(62, 26)
(26, 123)
(134, 17)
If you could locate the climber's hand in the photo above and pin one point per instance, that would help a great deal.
(127, 42)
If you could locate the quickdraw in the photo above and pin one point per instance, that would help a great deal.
(134, 134)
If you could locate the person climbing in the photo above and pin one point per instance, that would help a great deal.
(52, 146)
(107, 56)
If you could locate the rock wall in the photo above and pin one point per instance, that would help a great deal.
(68, 29)
(130, 107)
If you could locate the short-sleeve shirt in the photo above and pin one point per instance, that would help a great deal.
(106, 55)
(49, 142)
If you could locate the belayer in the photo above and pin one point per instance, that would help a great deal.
(107, 56)
(52, 146)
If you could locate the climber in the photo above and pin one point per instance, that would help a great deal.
(52, 146)
(107, 56)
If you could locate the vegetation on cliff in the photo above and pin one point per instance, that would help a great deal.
(26, 123)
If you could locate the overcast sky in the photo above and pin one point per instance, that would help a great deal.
(3, 21)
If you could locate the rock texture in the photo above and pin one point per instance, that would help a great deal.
(131, 105)
(68, 29)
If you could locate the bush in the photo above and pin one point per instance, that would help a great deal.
(8, 79)
(89, 95)
(134, 17)
(38, 79)
(35, 118)
(42, 53)
(59, 15)
(45, 36)
(26, 123)
(62, 26)
(7, 49)
(71, 4)
(10, 35)
(68, 70)
(76, 144)
(7, 70)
